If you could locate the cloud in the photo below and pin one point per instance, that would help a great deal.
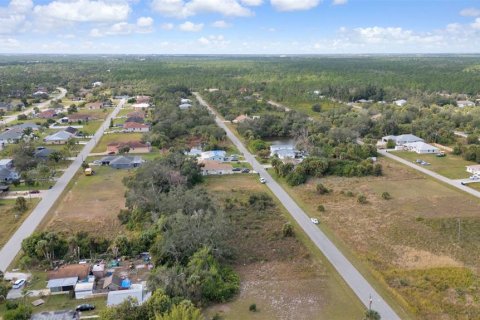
(84, 11)
(294, 5)
(470, 12)
(339, 2)
(191, 27)
(13, 16)
(476, 24)
(213, 40)
(143, 25)
(221, 24)
(184, 9)
(20, 6)
(252, 3)
(167, 26)
(9, 43)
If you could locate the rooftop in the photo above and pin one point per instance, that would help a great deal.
(70, 270)
(62, 282)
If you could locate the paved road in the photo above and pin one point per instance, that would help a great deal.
(12, 247)
(455, 183)
(41, 106)
(347, 271)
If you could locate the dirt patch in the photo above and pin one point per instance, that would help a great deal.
(411, 258)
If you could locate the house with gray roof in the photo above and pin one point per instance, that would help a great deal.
(43, 154)
(58, 137)
(11, 136)
(8, 175)
(6, 106)
(122, 162)
(23, 126)
(136, 292)
(402, 139)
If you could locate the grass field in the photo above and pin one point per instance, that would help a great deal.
(281, 275)
(450, 166)
(116, 137)
(10, 223)
(423, 244)
(475, 186)
(91, 204)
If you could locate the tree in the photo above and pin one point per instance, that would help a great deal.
(372, 315)
(22, 312)
(27, 131)
(183, 311)
(124, 149)
(21, 205)
(287, 230)
(317, 108)
(391, 144)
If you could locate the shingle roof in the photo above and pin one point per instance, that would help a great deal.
(62, 282)
(59, 136)
(12, 134)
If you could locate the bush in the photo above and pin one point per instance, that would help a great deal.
(391, 144)
(372, 315)
(349, 194)
(287, 230)
(316, 108)
(386, 196)
(321, 208)
(362, 199)
(321, 189)
(253, 307)
(11, 304)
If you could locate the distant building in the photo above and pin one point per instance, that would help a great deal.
(402, 139)
(62, 284)
(143, 99)
(465, 103)
(58, 137)
(212, 167)
(217, 155)
(135, 127)
(400, 103)
(23, 126)
(185, 106)
(117, 297)
(140, 106)
(421, 147)
(43, 154)
(122, 162)
(47, 114)
(283, 151)
(241, 118)
(8, 175)
(474, 169)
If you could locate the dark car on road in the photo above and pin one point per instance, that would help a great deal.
(85, 307)
(34, 191)
(245, 170)
(236, 169)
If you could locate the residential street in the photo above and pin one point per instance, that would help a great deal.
(13, 246)
(347, 271)
(40, 106)
(454, 183)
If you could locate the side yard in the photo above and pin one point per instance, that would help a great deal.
(9, 219)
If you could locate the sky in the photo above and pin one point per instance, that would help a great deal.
(239, 26)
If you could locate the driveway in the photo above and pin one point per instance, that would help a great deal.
(347, 271)
(13, 246)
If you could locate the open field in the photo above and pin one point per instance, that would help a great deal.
(63, 302)
(450, 166)
(91, 204)
(9, 223)
(423, 243)
(279, 274)
(475, 186)
(116, 137)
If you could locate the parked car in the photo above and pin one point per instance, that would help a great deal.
(18, 284)
(474, 177)
(245, 170)
(85, 307)
(314, 220)
(34, 191)
(236, 169)
(263, 180)
(441, 154)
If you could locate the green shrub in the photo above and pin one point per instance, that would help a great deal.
(287, 230)
(362, 199)
(386, 196)
(253, 307)
(321, 189)
(321, 208)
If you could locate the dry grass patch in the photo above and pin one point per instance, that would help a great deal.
(92, 204)
(10, 220)
(117, 138)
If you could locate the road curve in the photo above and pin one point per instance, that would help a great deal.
(40, 106)
(455, 183)
(347, 271)
(13, 246)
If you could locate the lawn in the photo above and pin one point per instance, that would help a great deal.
(475, 186)
(116, 137)
(423, 245)
(9, 222)
(450, 166)
(91, 203)
(283, 276)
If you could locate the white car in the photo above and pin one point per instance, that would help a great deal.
(18, 284)
(263, 180)
(314, 220)
(474, 177)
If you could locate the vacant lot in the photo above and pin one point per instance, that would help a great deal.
(424, 242)
(116, 137)
(91, 204)
(10, 219)
(475, 186)
(279, 274)
(450, 166)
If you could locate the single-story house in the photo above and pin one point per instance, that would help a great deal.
(185, 106)
(8, 175)
(115, 282)
(135, 127)
(241, 118)
(213, 167)
(135, 147)
(140, 106)
(194, 152)
(465, 103)
(143, 99)
(11, 136)
(70, 270)
(474, 169)
(117, 297)
(58, 137)
(4, 106)
(47, 114)
(402, 139)
(6, 163)
(122, 162)
(136, 114)
(83, 290)
(62, 284)
(94, 105)
(283, 151)
(400, 102)
(43, 154)
(217, 155)
(25, 125)
(421, 147)
(79, 117)
(185, 100)
(56, 315)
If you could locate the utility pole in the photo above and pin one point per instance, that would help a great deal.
(459, 230)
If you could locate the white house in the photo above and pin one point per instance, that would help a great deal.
(475, 169)
(216, 155)
(400, 103)
(185, 106)
(402, 139)
(58, 137)
(97, 84)
(421, 147)
(117, 297)
(141, 105)
(465, 103)
(83, 290)
(283, 151)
